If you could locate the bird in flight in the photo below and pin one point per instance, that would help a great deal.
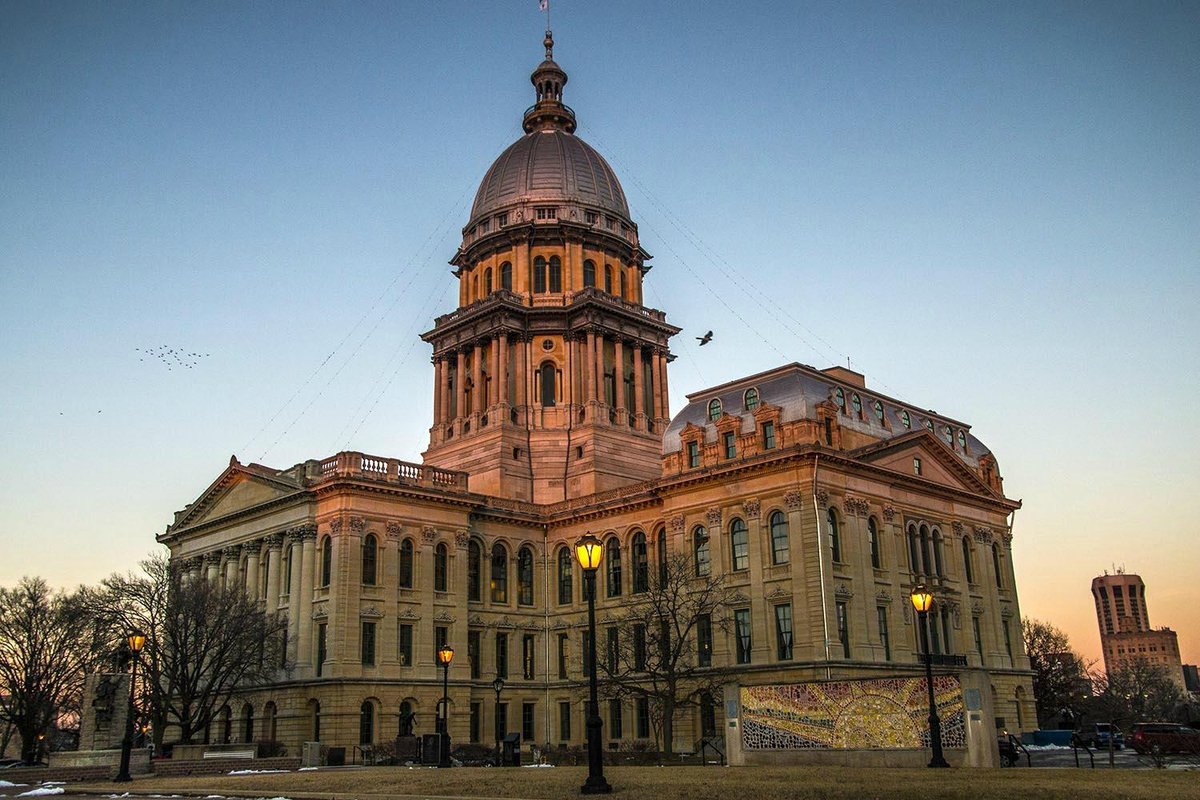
(705, 339)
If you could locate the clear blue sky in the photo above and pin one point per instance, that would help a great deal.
(992, 210)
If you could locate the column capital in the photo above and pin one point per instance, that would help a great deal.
(275, 540)
(252, 547)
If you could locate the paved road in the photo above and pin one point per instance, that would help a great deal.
(1122, 759)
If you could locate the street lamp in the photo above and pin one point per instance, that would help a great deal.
(445, 655)
(498, 687)
(137, 640)
(922, 599)
(589, 551)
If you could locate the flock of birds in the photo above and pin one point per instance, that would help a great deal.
(170, 357)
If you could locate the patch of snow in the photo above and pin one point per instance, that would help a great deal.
(257, 771)
(41, 791)
(536, 766)
(7, 784)
(309, 769)
(1044, 747)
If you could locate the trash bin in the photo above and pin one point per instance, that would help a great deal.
(510, 753)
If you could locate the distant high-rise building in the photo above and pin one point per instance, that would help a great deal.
(1191, 679)
(1125, 632)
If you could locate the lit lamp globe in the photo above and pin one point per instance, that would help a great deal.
(445, 655)
(922, 598)
(589, 552)
(137, 640)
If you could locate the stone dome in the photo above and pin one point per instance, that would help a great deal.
(550, 165)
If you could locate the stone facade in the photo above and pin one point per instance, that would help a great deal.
(551, 421)
(1125, 632)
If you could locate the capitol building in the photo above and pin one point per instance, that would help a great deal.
(821, 501)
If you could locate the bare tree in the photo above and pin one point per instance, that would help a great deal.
(1061, 681)
(1136, 691)
(653, 649)
(43, 655)
(204, 642)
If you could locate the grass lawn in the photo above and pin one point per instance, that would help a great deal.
(686, 783)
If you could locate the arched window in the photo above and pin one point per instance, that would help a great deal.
(780, 547)
(406, 718)
(660, 544)
(937, 553)
(878, 406)
(247, 723)
(623, 287)
(714, 409)
(506, 276)
(475, 288)
(839, 397)
(326, 560)
(487, 281)
(589, 273)
(440, 567)
(612, 562)
(641, 564)
(268, 726)
(366, 722)
(873, 542)
(608, 278)
(566, 574)
(856, 404)
(996, 565)
(548, 377)
(406, 564)
(700, 552)
(539, 275)
(739, 544)
(906, 420)
(914, 559)
(926, 555)
(499, 573)
(835, 536)
(962, 441)
(474, 571)
(751, 399)
(555, 274)
(525, 576)
(968, 567)
(370, 550)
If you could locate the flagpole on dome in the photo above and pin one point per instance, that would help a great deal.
(544, 5)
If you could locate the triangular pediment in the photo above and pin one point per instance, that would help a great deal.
(938, 463)
(239, 488)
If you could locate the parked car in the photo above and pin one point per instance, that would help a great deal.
(1100, 736)
(1164, 737)
(1008, 750)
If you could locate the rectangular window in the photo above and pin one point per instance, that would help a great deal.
(475, 712)
(368, 644)
(501, 655)
(768, 434)
(473, 655)
(483, 226)
(564, 722)
(614, 649)
(884, 638)
(639, 647)
(916, 466)
(547, 213)
(528, 656)
(590, 217)
(440, 638)
(704, 640)
(693, 454)
(741, 630)
(614, 719)
(501, 720)
(843, 626)
(783, 631)
(322, 640)
(528, 716)
(564, 653)
(643, 717)
(502, 219)
(729, 444)
(405, 644)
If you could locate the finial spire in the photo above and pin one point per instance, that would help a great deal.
(549, 42)
(548, 111)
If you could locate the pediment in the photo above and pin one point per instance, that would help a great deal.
(938, 463)
(239, 488)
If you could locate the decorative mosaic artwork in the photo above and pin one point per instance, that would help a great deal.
(890, 713)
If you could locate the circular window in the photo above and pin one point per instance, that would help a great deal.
(547, 344)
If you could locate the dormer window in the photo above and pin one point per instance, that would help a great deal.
(714, 409)
(962, 441)
(949, 435)
(906, 420)
(878, 406)
(751, 399)
(839, 397)
(929, 425)
(856, 403)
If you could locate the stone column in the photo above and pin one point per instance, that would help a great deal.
(252, 549)
(438, 379)
(666, 397)
(232, 556)
(274, 567)
(601, 396)
(478, 393)
(502, 369)
(656, 389)
(295, 542)
(460, 377)
(522, 372)
(762, 614)
(639, 405)
(212, 566)
(307, 579)
(589, 366)
(619, 378)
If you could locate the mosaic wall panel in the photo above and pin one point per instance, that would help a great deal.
(888, 713)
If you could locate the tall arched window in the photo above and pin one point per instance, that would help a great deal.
(539, 275)
(406, 716)
(714, 409)
(440, 567)
(968, 567)
(370, 549)
(835, 535)
(780, 547)
(612, 562)
(474, 571)
(555, 274)
(506, 276)
(548, 378)
(487, 281)
(525, 576)
(475, 288)
(247, 723)
(914, 559)
(406, 564)
(499, 573)
(326, 560)
(751, 399)
(937, 553)
(996, 565)
(739, 544)
(366, 722)
(566, 574)
(873, 542)
(622, 275)
(926, 555)
(608, 278)
(660, 547)
(700, 552)
(641, 564)
(589, 273)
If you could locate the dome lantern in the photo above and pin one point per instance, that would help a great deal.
(549, 112)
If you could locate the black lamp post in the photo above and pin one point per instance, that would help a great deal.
(137, 640)
(589, 551)
(922, 599)
(445, 655)
(498, 687)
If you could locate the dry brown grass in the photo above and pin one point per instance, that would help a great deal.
(686, 783)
